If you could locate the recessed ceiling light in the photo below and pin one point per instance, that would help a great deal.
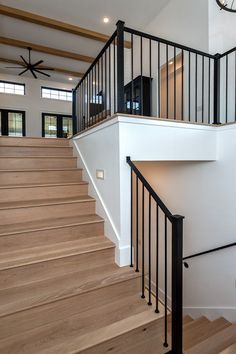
(70, 78)
(105, 19)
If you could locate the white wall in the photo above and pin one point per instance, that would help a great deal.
(222, 29)
(32, 103)
(192, 167)
(106, 147)
(184, 22)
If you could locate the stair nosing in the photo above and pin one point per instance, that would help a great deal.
(51, 227)
(43, 185)
(89, 200)
(38, 157)
(38, 146)
(72, 254)
(43, 169)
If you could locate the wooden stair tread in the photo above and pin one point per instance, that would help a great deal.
(39, 157)
(46, 224)
(82, 330)
(42, 169)
(216, 343)
(38, 293)
(230, 350)
(50, 252)
(38, 146)
(42, 202)
(27, 185)
(201, 329)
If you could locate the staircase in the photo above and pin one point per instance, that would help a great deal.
(60, 289)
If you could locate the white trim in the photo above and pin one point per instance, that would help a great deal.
(212, 313)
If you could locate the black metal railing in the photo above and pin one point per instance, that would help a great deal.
(153, 225)
(140, 74)
(207, 252)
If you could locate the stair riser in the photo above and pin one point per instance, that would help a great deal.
(66, 308)
(35, 151)
(47, 237)
(21, 215)
(50, 269)
(39, 193)
(32, 141)
(7, 163)
(39, 177)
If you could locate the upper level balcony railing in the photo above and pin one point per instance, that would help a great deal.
(140, 74)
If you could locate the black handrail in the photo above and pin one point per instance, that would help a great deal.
(169, 43)
(108, 43)
(150, 189)
(207, 252)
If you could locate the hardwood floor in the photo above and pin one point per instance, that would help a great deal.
(60, 289)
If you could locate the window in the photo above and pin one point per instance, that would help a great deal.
(56, 126)
(12, 123)
(12, 88)
(56, 94)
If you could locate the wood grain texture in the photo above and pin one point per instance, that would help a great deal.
(43, 49)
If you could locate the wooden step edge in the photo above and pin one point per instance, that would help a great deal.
(49, 203)
(71, 253)
(39, 157)
(114, 330)
(51, 227)
(43, 169)
(129, 276)
(32, 137)
(38, 146)
(44, 185)
(229, 350)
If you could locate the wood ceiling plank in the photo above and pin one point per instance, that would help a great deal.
(55, 24)
(59, 70)
(43, 49)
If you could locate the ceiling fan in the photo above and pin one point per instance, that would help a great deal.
(29, 66)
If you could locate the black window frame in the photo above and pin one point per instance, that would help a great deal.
(55, 89)
(4, 121)
(13, 83)
(59, 117)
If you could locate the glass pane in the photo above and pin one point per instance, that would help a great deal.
(67, 127)
(50, 126)
(15, 124)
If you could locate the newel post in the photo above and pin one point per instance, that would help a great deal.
(120, 67)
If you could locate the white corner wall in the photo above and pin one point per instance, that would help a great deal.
(106, 147)
(32, 103)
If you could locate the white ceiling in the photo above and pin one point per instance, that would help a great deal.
(84, 13)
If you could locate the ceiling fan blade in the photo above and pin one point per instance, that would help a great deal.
(14, 67)
(40, 72)
(38, 63)
(42, 68)
(23, 71)
(24, 60)
(33, 73)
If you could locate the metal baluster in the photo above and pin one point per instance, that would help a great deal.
(143, 246)
(175, 83)
(157, 257)
(226, 91)
(132, 74)
(131, 225)
(149, 253)
(203, 73)
(159, 81)
(137, 225)
(167, 82)
(166, 288)
(95, 96)
(105, 93)
(141, 70)
(209, 91)
(196, 85)
(150, 75)
(235, 84)
(114, 53)
(182, 85)
(109, 68)
(189, 86)
(102, 92)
